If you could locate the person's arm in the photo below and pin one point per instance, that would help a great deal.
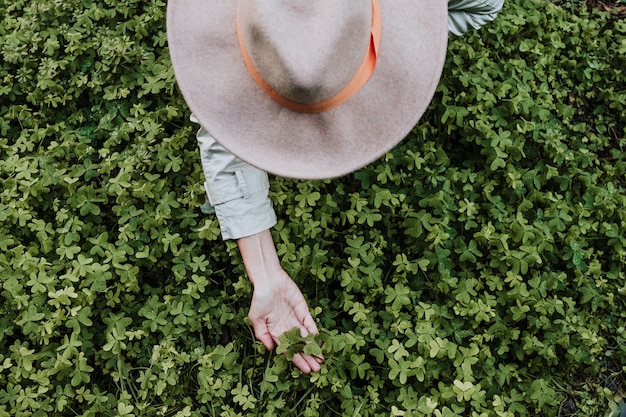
(277, 303)
(239, 195)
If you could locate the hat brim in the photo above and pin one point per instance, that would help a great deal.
(228, 103)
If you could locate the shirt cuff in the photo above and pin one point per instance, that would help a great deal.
(241, 202)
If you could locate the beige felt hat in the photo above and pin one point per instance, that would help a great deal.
(308, 88)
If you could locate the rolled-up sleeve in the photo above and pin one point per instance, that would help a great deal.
(464, 15)
(236, 191)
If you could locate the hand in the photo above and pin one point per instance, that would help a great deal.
(277, 303)
(278, 308)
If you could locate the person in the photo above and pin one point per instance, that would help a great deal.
(240, 115)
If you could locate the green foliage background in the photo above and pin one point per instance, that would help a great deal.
(476, 270)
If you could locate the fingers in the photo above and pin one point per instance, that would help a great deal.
(301, 363)
(262, 333)
(310, 325)
(311, 328)
(306, 363)
(303, 315)
(271, 320)
(314, 363)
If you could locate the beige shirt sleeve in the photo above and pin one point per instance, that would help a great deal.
(464, 15)
(237, 192)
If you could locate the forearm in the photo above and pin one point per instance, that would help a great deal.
(260, 258)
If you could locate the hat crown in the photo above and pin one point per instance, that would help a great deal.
(305, 50)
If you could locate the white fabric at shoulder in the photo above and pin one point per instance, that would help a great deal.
(464, 15)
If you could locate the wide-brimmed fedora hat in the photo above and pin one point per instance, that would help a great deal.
(308, 88)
